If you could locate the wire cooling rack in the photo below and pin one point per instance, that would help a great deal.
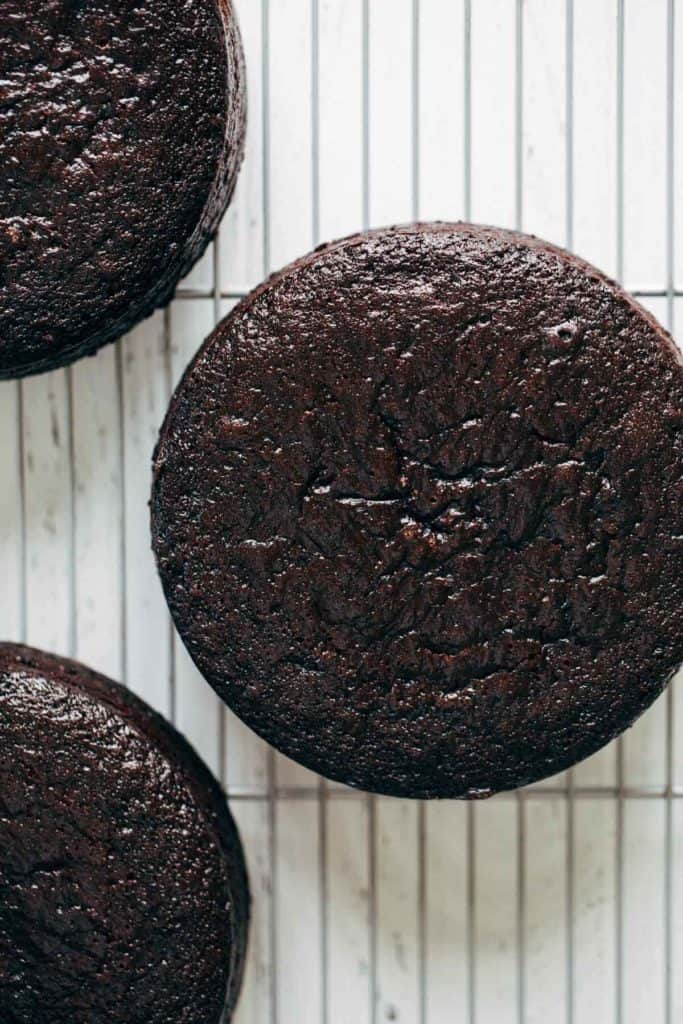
(562, 903)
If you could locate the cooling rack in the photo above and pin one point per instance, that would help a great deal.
(563, 902)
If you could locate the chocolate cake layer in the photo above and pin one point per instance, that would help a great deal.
(121, 135)
(123, 891)
(417, 510)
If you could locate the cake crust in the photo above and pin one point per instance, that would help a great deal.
(121, 135)
(125, 896)
(417, 510)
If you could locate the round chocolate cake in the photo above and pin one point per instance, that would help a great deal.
(418, 510)
(123, 892)
(121, 135)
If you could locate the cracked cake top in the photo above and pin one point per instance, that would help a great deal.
(418, 510)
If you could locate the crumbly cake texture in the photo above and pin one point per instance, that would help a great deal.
(123, 890)
(121, 135)
(418, 511)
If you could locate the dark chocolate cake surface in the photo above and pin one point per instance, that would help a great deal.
(123, 892)
(418, 510)
(121, 134)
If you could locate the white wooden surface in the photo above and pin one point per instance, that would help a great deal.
(564, 903)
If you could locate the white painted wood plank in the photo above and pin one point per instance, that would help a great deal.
(446, 925)
(98, 549)
(290, 165)
(341, 117)
(545, 895)
(348, 949)
(645, 743)
(677, 734)
(201, 275)
(246, 757)
(494, 117)
(645, 208)
(47, 472)
(595, 137)
(197, 708)
(241, 238)
(442, 110)
(256, 1004)
(643, 975)
(495, 912)
(147, 624)
(398, 983)
(544, 120)
(290, 775)
(11, 553)
(600, 770)
(299, 945)
(555, 782)
(677, 911)
(595, 912)
(391, 111)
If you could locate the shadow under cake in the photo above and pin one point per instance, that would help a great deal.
(418, 514)
(121, 135)
(123, 890)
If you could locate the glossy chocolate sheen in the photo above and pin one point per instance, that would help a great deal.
(123, 892)
(418, 510)
(121, 135)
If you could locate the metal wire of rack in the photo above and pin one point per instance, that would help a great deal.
(559, 902)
